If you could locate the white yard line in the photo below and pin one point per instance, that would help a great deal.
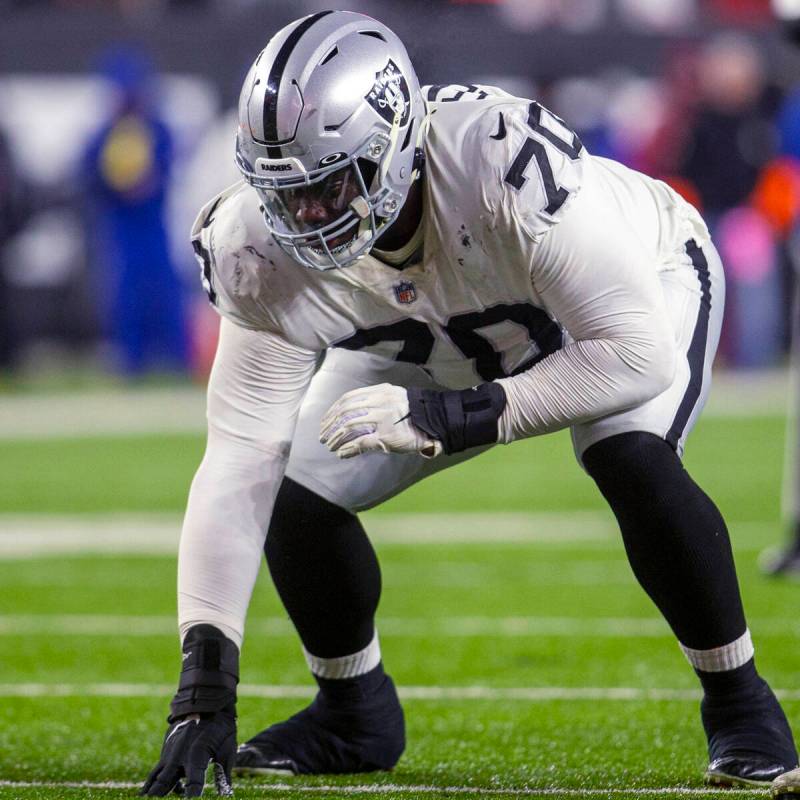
(115, 625)
(531, 694)
(455, 627)
(111, 411)
(411, 789)
(43, 535)
(26, 536)
(120, 410)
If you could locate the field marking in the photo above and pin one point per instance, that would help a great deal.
(457, 627)
(399, 788)
(24, 536)
(113, 625)
(124, 410)
(531, 694)
(29, 536)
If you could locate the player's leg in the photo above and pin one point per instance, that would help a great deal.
(677, 541)
(327, 575)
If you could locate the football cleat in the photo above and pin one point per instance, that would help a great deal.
(782, 561)
(786, 786)
(363, 735)
(743, 771)
(749, 739)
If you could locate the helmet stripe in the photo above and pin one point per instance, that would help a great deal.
(274, 81)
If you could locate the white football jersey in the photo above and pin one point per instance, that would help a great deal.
(501, 173)
(542, 267)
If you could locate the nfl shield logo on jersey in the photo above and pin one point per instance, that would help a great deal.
(405, 292)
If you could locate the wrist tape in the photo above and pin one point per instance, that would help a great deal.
(458, 419)
(209, 675)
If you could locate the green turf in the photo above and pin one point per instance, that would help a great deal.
(152, 473)
(452, 615)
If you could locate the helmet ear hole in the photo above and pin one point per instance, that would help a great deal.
(368, 171)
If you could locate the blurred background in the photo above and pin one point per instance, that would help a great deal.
(117, 124)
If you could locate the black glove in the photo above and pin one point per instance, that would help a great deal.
(189, 745)
(202, 726)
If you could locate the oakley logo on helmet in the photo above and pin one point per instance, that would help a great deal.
(333, 158)
(389, 95)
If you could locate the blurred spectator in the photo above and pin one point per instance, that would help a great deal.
(126, 172)
(754, 298)
(729, 147)
(733, 136)
(789, 124)
(12, 215)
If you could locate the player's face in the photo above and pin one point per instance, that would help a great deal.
(309, 208)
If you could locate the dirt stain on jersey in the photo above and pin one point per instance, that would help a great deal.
(251, 249)
(466, 239)
(246, 281)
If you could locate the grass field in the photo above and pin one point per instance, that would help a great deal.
(531, 663)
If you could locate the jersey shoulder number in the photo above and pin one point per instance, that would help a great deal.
(539, 162)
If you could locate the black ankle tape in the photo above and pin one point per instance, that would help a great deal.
(209, 675)
(740, 680)
(458, 419)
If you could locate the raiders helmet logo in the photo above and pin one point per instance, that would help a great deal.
(389, 95)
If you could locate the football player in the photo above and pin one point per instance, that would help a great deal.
(471, 276)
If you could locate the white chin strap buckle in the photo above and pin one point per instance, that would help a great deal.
(360, 206)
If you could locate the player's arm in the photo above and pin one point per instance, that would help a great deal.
(600, 283)
(254, 394)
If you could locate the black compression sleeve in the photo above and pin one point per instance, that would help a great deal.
(458, 419)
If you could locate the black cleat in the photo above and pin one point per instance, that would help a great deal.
(742, 771)
(749, 740)
(363, 733)
(782, 562)
(263, 759)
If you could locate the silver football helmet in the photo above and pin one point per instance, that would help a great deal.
(330, 118)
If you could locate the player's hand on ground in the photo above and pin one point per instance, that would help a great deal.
(374, 419)
(189, 745)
